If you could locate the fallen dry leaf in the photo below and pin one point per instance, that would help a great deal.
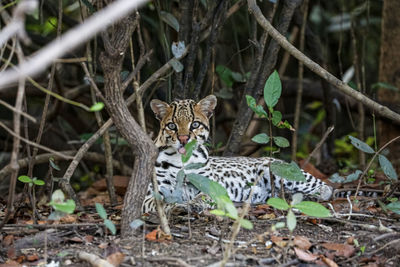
(116, 258)
(8, 240)
(328, 261)
(88, 238)
(344, 250)
(33, 257)
(267, 216)
(103, 245)
(350, 240)
(76, 239)
(278, 240)
(70, 218)
(302, 242)
(158, 235)
(305, 256)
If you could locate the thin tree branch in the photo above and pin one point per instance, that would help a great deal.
(317, 69)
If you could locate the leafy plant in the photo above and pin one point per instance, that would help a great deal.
(103, 214)
(214, 190)
(272, 93)
(61, 206)
(309, 208)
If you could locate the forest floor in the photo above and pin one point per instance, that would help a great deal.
(369, 237)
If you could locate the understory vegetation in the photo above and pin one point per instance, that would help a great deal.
(313, 83)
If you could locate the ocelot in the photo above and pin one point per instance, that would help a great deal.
(186, 120)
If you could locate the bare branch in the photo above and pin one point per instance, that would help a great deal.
(70, 40)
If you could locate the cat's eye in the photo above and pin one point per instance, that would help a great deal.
(195, 125)
(171, 126)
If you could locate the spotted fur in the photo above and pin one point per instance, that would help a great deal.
(186, 120)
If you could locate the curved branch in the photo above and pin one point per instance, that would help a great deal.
(317, 69)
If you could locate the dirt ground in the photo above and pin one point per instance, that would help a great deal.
(367, 238)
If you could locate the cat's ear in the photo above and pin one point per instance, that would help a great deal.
(159, 108)
(207, 105)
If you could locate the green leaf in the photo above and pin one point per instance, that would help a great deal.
(194, 166)
(24, 179)
(246, 224)
(281, 141)
(353, 177)
(66, 207)
(111, 226)
(276, 117)
(261, 138)
(385, 86)
(53, 164)
(225, 74)
(278, 203)
(291, 221)
(251, 102)
(272, 89)
(313, 209)
(361, 145)
(178, 49)
(179, 178)
(218, 212)
(170, 20)
(38, 182)
(279, 225)
(101, 211)
(394, 206)
(289, 171)
(189, 150)
(336, 178)
(135, 224)
(97, 106)
(387, 167)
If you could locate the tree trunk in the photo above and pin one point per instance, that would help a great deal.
(389, 72)
(143, 148)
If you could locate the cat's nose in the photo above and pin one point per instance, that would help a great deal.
(183, 139)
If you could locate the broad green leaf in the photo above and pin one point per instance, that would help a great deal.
(97, 106)
(289, 171)
(135, 224)
(66, 207)
(24, 179)
(101, 211)
(278, 203)
(252, 103)
(285, 125)
(170, 20)
(272, 89)
(261, 138)
(176, 65)
(291, 221)
(279, 225)
(246, 224)
(194, 166)
(361, 145)
(313, 209)
(385, 86)
(281, 141)
(189, 151)
(394, 206)
(179, 178)
(238, 77)
(225, 74)
(353, 177)
(218, 212)
(38, 182)
(336, 178)
(225, 203)
(111, 226)
(276, 117)
(297, 198)
(387, 167)
(57, 196)
(53, 164)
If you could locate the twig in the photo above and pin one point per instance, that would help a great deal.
(16, 135)
(16, 25)
(318, 146)
(42, 158)
(317, 69)
(26, 115)
(16, 142)
(94, 260)
(179, 262)
(372, 160)
(70, 40)
(297, 109)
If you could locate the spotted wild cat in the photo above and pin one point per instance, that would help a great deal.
(186, 120)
